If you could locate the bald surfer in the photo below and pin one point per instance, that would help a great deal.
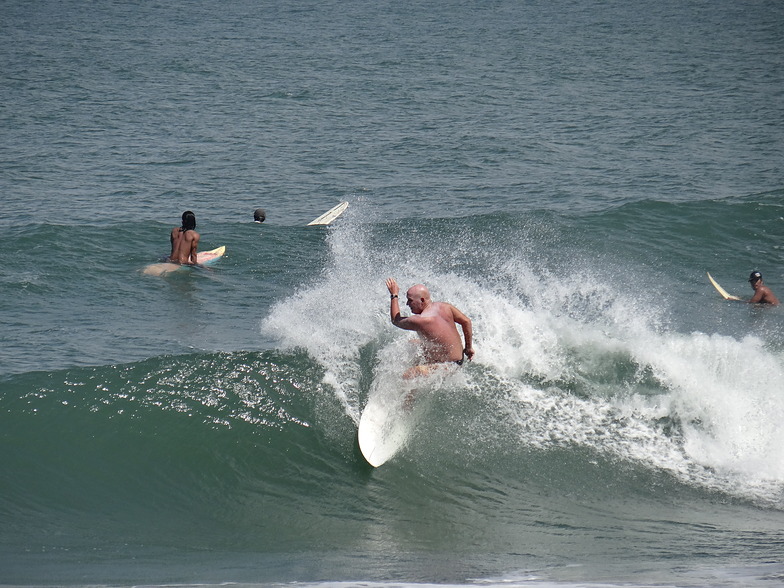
(435, 322)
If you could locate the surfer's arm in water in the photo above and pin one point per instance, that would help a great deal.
(764, 295)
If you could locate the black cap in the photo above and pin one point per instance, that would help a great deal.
(259, 215)
(755, 276)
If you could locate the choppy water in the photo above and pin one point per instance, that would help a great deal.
(564, 173)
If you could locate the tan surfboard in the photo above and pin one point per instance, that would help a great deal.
(203, 257)
(330, 215)
(721, 290)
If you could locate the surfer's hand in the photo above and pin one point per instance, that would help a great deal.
(392, 286)
(469, 353)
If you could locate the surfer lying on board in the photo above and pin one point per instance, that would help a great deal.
(762, 294)
(435, 323)
(185, 241)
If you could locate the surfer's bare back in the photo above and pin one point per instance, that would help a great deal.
(185, 241)
(435, 322)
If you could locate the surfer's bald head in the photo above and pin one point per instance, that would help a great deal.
(418, 298)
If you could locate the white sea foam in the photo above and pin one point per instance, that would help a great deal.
(576, 359)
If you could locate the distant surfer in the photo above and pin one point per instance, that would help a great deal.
(185, 241)
(259, 215)
(435, 322)
(762, 294)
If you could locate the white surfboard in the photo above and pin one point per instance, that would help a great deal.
(330, 215)
(721, 290)
(395, 408)
(385, 425)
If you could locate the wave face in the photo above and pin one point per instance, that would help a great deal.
(615, 405)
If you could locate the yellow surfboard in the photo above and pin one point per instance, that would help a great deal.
(721, 290)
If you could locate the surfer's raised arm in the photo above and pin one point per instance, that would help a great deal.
(418, 300)
(394, 305)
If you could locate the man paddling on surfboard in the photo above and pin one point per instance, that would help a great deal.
(185, 241)
(435, 322)
(762, 294)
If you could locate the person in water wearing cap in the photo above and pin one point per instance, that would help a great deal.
(762, 294)
(185, 241)
(435, 323)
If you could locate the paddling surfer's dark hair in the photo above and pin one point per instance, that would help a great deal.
(188, 221)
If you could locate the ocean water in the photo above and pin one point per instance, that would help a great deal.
(564, 172)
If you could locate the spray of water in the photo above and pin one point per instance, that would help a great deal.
(565, 355)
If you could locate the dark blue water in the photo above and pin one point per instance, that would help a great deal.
(565, 173)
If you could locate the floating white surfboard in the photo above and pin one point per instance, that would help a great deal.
(203, 257)
(721, 290)
(330, 215)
